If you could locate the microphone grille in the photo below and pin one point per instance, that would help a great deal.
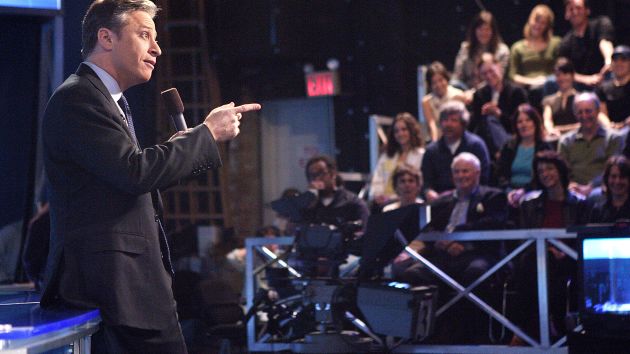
(173, 102)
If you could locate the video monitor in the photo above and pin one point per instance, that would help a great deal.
(30, 6)
(605, 278)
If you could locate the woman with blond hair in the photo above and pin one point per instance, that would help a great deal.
(404, 146)
(532, 58)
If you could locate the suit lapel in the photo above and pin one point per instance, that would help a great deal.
(87, 72)
(475, 200)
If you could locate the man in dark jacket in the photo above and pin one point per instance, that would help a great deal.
(470, 206)
(108, 249)
(436, 163)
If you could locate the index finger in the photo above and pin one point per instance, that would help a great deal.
(246, 108)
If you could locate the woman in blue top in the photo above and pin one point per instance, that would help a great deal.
(515, 163)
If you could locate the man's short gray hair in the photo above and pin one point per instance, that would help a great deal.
(468, 157)
(455, 107)
(586, 97)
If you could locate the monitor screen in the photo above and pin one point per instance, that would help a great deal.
(32, 4)
(606, 274)
(31, 7)
(604, 278)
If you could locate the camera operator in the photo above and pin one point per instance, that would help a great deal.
(327, 201)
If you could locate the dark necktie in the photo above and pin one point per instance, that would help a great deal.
(155, 195)
(122, 102)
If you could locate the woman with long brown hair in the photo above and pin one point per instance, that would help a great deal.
(482, 37)
(404, 146)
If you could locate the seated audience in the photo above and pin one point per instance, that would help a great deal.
(587, 148)
(493, 105)
(455, 139)
(532, 58)
(482, 37)
(10, 243)
(616, 206)
(404, 146)
(552, 206)
(558, 107)
(516, 160)
(588, 44)
(407, 183)
(327, 202)
(441, 91)
(470, 206)
(615, 93)
(36, 246)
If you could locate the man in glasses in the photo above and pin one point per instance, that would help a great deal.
(331, 203)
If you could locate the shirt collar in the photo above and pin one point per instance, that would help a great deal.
(600, 132)
(110, 83)
(469, 197)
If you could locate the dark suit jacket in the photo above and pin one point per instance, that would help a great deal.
(105, 250)
(487, 210)
(510, 97)
(436, 163)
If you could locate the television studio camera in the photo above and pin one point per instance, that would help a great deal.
(323, 299)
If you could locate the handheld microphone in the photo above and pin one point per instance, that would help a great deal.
(175, 108)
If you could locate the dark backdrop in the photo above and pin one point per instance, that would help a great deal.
(260, 46)
(19, 70)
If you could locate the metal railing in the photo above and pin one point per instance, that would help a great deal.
(539, 237)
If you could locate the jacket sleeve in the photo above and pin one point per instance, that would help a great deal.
(82, 131)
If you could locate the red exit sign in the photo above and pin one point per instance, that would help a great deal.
(322, 83)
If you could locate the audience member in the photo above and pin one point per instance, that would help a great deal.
(407, 183)
(404, 146)
(455, 139)
(587, 148)
(493, 105)
(470, 206)
(36, 246)
(482, 37)
(615, 93)
(10, 239)
(588, 44)
(558, 107)
(516, 160)
(616, 205)
(328, 202)
(441, 91)
(532, 58)
(552, 206)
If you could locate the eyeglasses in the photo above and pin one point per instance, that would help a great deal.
(316, 174)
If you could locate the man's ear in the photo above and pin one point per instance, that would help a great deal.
(105, 38)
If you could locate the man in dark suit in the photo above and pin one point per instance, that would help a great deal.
(470, 206)
(108, 249)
